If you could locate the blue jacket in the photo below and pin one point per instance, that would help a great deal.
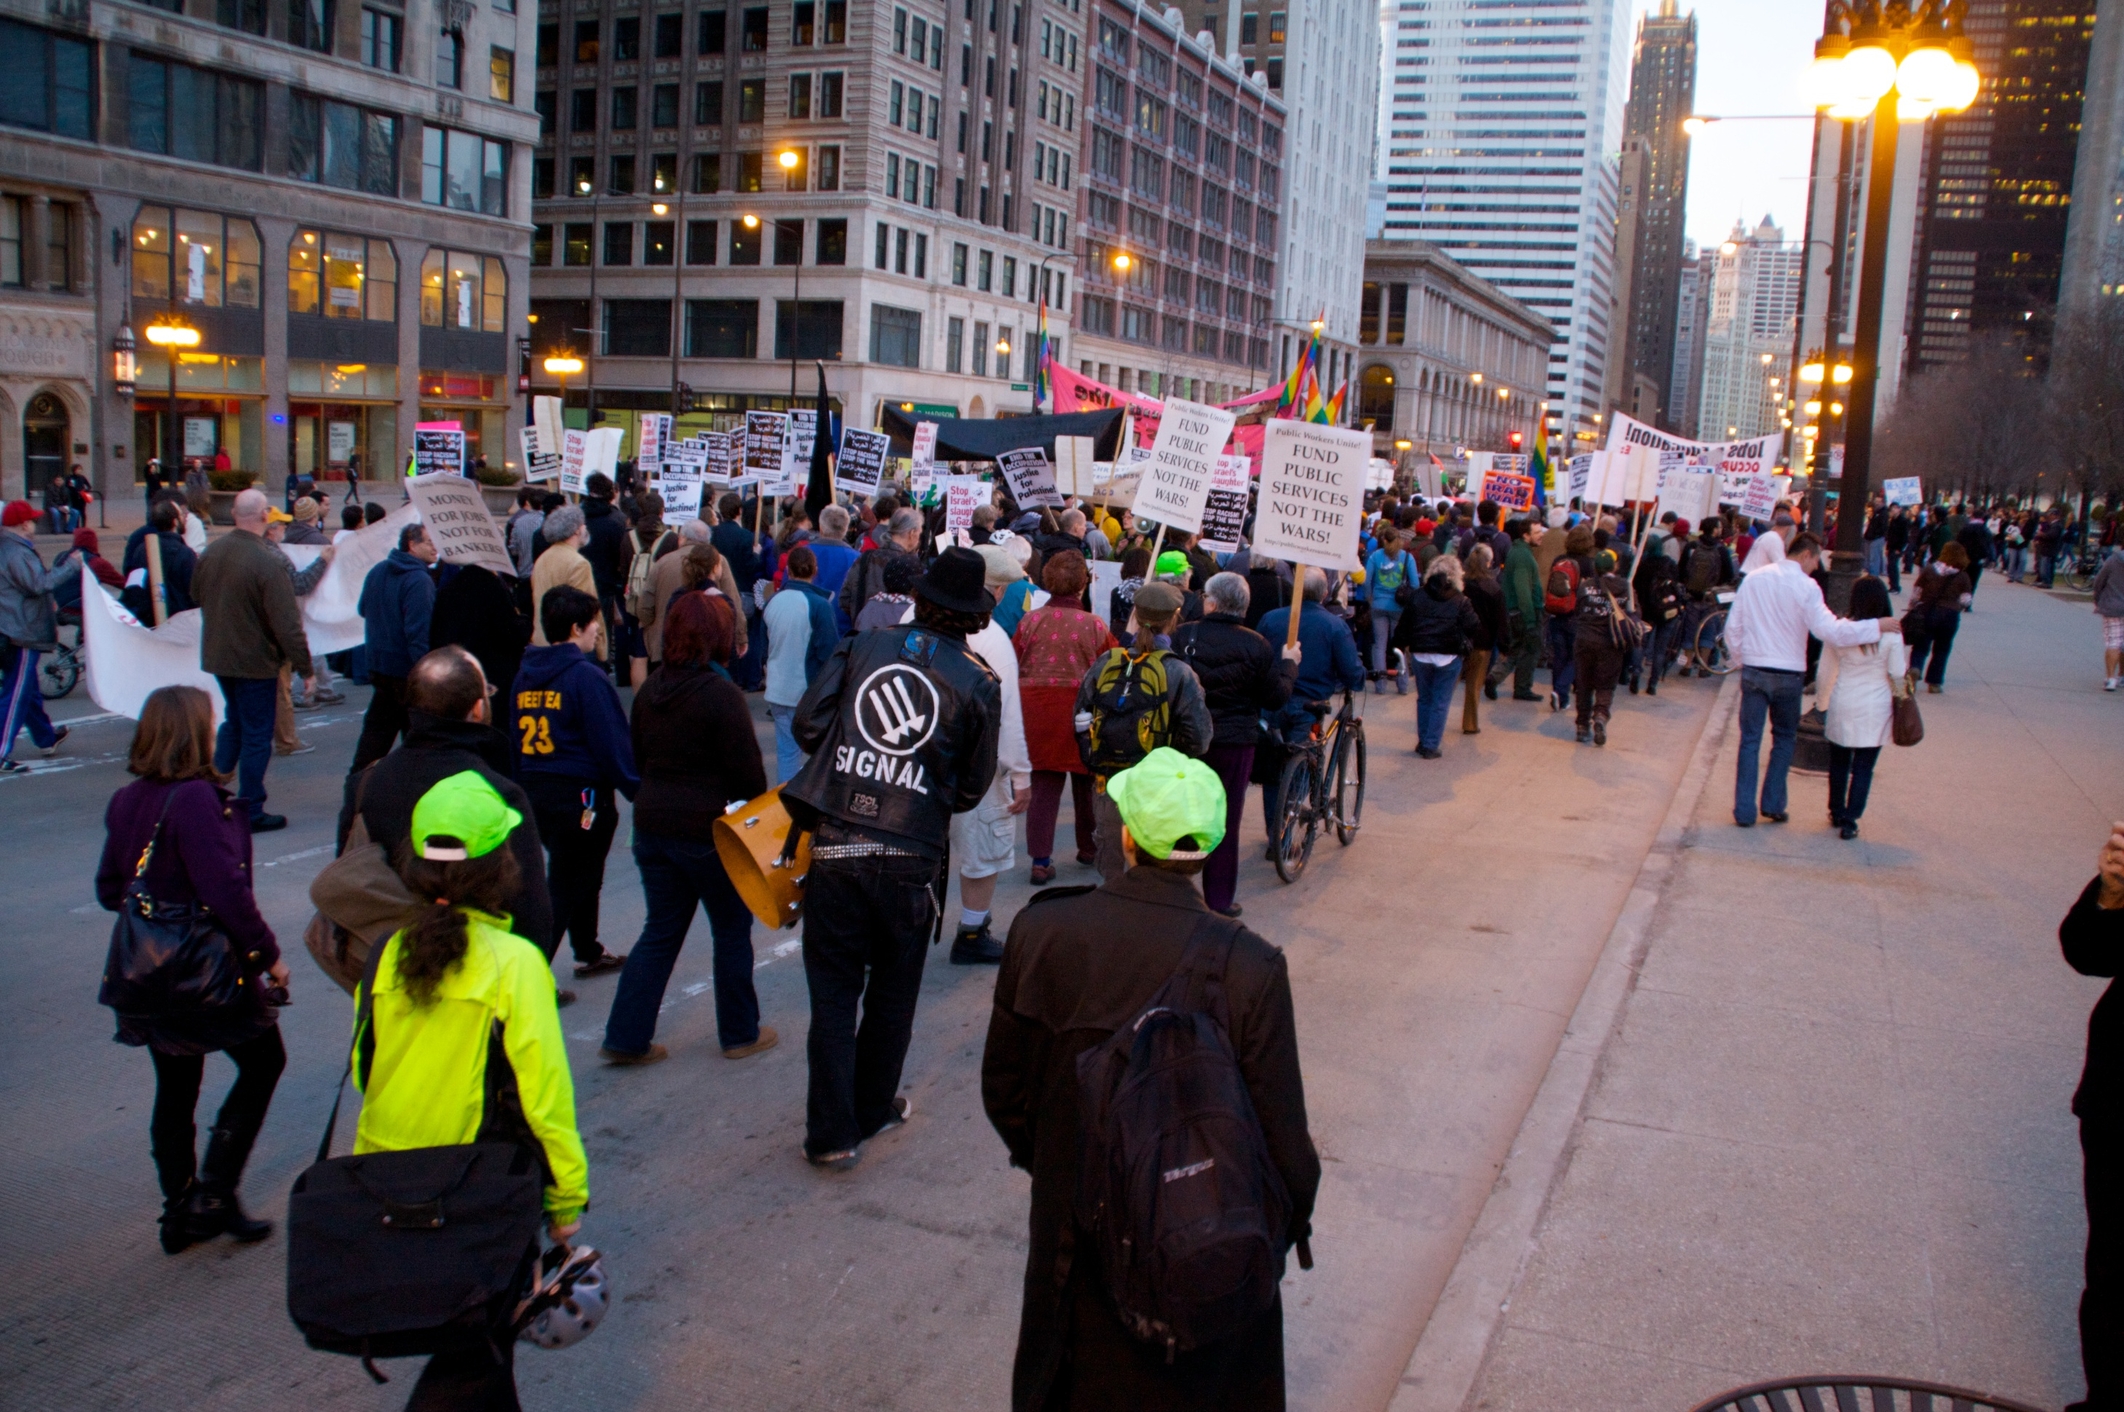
(1328, 660)
(397, 600)
(835, 560)
(567, 722)
(825, 624)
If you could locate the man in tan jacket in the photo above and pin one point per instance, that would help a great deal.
(561, 562)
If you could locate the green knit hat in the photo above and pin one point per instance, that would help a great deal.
(462, 817)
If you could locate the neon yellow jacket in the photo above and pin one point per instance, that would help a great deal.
(424, 1070)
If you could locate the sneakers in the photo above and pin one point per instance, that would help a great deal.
(268, 823)
(976, 946)
(654, 1054)
(902, 1110)
(1933, 688)
(606, 961)
(305, 703)
(1584, 735)
(1424, 752)
(301, 747)
(1042, 874)
(768, 1039)
(58, 740)
(1600, 732)
(1847, 832)
(13, 767)
(1525, 696)
(845, 1159)
(2110, 685)
(328, 696)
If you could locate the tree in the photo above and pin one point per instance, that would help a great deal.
(2086, 398)
(1981, 427)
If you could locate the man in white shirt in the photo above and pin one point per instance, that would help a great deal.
(1778, 605)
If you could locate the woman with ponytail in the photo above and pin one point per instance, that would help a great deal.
(452, 995)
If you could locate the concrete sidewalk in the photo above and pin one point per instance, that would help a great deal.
(1829, 1131)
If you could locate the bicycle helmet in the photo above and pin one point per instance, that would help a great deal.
(568, 1298)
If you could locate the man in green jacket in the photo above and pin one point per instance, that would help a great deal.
(252, 626)
(1522, 595)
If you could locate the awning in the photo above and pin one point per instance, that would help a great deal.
(968, 439)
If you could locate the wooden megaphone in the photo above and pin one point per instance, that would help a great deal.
(749, 839)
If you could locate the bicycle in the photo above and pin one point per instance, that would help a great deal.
(59, 671)
(1712, 656)
(2078, 572)
(1322, 783)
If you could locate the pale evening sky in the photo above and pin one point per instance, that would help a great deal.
(1749, 56)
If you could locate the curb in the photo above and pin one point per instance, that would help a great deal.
(1455, 1343)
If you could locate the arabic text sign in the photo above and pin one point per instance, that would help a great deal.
(438, 449)
(764, 435)
(1030, 478)
(1312, 485)
(862, 461)
(458, 522)
(1176, 478)
(1224, 515)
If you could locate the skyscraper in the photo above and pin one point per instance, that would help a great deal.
(1662, 93)
(1692, 311)
(2094, 240)
(1748, 336)
(1997, 184)
(1498, 139)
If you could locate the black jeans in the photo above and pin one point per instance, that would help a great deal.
(867, 928)
(171, 1133)
(1850, 780)
(679, 875)
(384, 722)
(575, 856)
(2102, 1304)
(1928, 655)
(469, 1378)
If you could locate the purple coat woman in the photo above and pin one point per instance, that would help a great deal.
(202, 855)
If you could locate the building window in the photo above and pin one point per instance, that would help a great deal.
(707, 173)
(752, 100)
(546, 103)
(215, 259)
(626, 40)
(181, 111)
(985, 281)
(59, 246)
(749, 168)
(637, 328)
(833, 242)
(501, 75)
(836, 21)
(670, 35)
(582, 175)
(708, 34)
(663, 172)
(625, 101)
(248, 15)
(621, 176)
(744, 243)
(664, 105)
(310, 24)
(895, 336)
(789, 242)
(954, 341)
(345, 276)
(548, 46)
(575, 243)
(829, 160)
(830, 95)
(382, 38)
(816, 332)
(542, 245)
(880, 255)
(659, 243)
(700, 242)
(708, 104)
(461, 291)
(582, 111)
(11, 241)
(586, 41)
(1375, 397)
(800, 95)
(464, 171)
(980, 350)
(450, 60)
(803, 21)
(341, 145)
(752, 33)
(722, 328)
(958, 266)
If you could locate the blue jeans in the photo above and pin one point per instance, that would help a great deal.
(21, 701)
(678, 875)
(1777, 696)
(1434, 700)
(1877, 557)
(245, 740)
(1562, 633)
(787, 758)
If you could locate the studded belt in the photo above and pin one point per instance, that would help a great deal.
(831, 851)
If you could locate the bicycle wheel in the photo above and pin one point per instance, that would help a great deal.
(1300, 822)
(1346, 785)
(1711, 654)
(57, 674)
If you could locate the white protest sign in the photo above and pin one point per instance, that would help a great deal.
(796, 450)
(1902, 490)
(1312, 485)
(1030, 478)
(573, 445)
(542, 462)
(861, 464)
(1758, 499)
(1105, 578)
(1073, 465)
(1224, 514)
(546, 416)
(1176, 478)
(962, 495)
(1691, 492)
(1478, 469)
(1581, 469)
(601, 448)
(925, 445)
(649, 445)
(459, 524)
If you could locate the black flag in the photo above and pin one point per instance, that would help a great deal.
(818, 493)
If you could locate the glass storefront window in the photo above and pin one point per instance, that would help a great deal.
(204, 258)
(342, 276)
(469, 387)
(201, 372)
(460, 291)
(313, 379)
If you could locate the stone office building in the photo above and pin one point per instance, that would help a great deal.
(328, 192)
(727, 192)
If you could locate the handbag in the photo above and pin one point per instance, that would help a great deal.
(167, 960)
(360, 901)
(1905, 725)
(393, 1254)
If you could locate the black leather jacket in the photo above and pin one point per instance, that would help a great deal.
(901, 726)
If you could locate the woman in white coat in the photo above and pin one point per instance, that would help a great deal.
(1857, 686)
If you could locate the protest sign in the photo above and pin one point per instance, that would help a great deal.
(438, 448)
(650, 443)
(1903, 490)
(962, 494)
(861, 464)
(764, 434)
(546, 416)
(459, 524)
(1224, 513)
(1513, 491)
(1312, 485)
(1073, 465)
(1758, 499)
(1030, 478)
(1176, 478)
(1477, 464)
(1581, 468)
(925, 445)
(796, 451)
(680, 485)
(1105, 578)
(726, 455)
(573, 444)
(541, 461)
(1691, 492)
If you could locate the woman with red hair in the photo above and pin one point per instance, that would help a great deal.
(1057, 644)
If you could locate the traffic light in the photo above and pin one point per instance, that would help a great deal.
(1518, 439)
(682, 403)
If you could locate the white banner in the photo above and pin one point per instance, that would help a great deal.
(1073, 465)
(330, 616)
(1312, 488)
(1176, 478)
(127, 660)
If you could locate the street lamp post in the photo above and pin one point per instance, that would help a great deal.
(170, 335)
(789, 160)
(678, 290)
(585, 186)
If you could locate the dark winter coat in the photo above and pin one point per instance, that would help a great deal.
(397, 610)
(566, 722)
(606, 548)
(695, 748)
(1438, 618)
(475, 610)
(203, 857)
(1488, 600)
(1241, 672)
(434, 750)
(1079, 965)
(178, 561)
(2093, 939)
(252, 624)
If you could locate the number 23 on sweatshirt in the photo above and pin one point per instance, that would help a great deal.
(568, 722)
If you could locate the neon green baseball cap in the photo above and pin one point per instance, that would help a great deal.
(1172, 561)
(462, 817)
(1165, 797)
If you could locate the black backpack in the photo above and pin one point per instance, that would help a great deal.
(1175, 1188)
(1700, 568)
(1132, 712)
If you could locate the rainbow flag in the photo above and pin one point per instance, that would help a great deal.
(1294, 401)
(1043, 381)
(1544, 475)
(1334, 406)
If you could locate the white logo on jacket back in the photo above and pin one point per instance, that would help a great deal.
(896, 709)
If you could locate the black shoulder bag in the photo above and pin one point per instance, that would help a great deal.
(167, 960)
(394, 1254)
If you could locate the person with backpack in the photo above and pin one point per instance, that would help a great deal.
(1078, 1063)
(650, 540)
(1437, 626)
(1603, 636)
(1560, 604)
(1707, 569)
(1386, 572)
(451, 997)
(1660, 600)
(1133, 700)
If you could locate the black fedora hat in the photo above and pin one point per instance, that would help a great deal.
(956, 581)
